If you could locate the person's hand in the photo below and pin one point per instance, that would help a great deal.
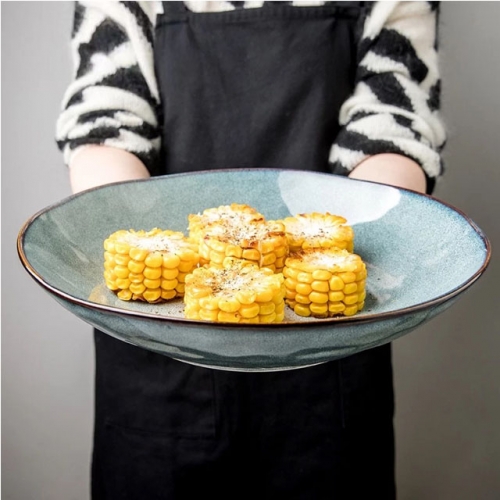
(98, 165)
(392, 169)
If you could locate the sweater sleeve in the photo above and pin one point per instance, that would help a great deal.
(113, 98)
(395, 104)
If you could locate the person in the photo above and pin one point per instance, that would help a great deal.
(350, 88)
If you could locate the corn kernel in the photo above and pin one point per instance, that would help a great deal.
(228, 317)
(267, 308)
(191, 312)
(264, 295)
(249, 310)
(290, 272)
(336, 308)
(246, 296)
(152, 283)
(319, 308)
(111, 285)
(267, 318)
(168, 284)
(267, 259)
(229, 304)
(152, 273)
(291, 284)
(255, 319)
(197, 292)
(280, 316)
(302, 299)
(348, 277)
(154, 260)
(137, 288)
(279, 264)
(251, 254)
(209, 303)
(304, 277)
(302, 310)
(121, 248)
(122, 260)
(321, 274)
(124, 294)
(109, 246)
(168, 294)
(361, 275)
(152, 295)
(335, 296)
(320, 286)
(121, 272)
(303, 288)
(169, 274)
(350, 299)
(351, 310)
(216, 257)
(209, 314)
(318, 297)
(233, 251)
(171, 261)
(136, 278)
(138, 254)
(216, 245)
(136, 267)
(336, 283)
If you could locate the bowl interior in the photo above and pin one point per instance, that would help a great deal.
(416, 248)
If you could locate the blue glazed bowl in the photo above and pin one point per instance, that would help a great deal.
(421, 255)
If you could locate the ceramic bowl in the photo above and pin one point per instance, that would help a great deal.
(421, 255)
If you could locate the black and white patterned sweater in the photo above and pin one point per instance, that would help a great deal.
(394, 108)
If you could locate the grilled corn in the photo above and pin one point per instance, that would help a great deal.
(148, 265)
(240, 292)
(256, 241)
(236, 212)
(325, 282)
(318, 230)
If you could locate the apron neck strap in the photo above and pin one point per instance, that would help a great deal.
(175, 11)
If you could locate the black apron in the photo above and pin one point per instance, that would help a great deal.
(255, 87)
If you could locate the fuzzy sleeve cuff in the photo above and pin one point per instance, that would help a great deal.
(395, 104)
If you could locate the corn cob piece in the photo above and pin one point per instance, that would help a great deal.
(241, 292)
(256, 241)
(325, 282)
(150, 266)
(238, 213)
(318, 230)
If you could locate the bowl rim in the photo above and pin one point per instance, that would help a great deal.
(339, 320)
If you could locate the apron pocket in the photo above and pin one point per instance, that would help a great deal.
(147, 392)
(137, 465)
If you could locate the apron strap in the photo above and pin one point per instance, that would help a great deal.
(175, 12)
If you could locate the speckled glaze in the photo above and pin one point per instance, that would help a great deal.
(421, 255)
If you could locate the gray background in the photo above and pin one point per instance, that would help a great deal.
(447, 373)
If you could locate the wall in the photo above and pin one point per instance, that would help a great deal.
(448, 398)
(447, 385)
